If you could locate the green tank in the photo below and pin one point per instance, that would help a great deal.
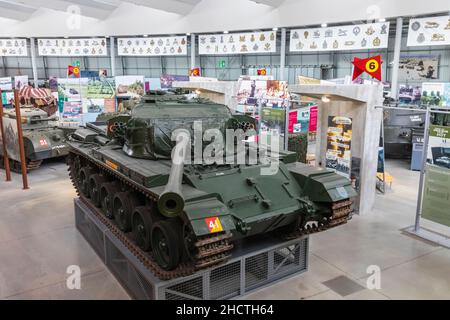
(41, 139)
(189, 213)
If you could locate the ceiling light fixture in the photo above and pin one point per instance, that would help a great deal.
(325, 99)
(324, 25)
(275, 29)
(225, 32)
(145, 35)
(382, 20)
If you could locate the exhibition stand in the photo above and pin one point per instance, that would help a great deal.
(255, 263)
(357, 102)
(434, 186)
(223, 92)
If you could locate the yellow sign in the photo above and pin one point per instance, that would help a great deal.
(372, 66)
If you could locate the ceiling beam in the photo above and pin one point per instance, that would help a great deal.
(91, 9)
(172, 6)
(272, 3)
(16, 11)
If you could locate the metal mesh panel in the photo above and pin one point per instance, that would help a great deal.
(225, 281)
(91, 233)
(286, 258)
(256, 270)
(191, 289)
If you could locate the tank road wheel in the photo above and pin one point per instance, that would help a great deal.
(142, 226)
(83, 180)
(107, 192)
(165, 243)
(95, 181)
(123, 206)
(188, 241)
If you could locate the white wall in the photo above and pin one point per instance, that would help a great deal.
(218, 15)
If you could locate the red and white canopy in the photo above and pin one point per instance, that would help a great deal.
(28, 92)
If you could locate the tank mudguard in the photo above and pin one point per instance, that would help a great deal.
(321, 185)
(209, 216)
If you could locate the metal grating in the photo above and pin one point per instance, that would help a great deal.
(256, 270)
(191, 289)
(254, 264)
(225, 281)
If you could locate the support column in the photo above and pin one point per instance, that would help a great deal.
(396, 61)
(33, 62)
(112, 53)
(193, 51)
(282, 53)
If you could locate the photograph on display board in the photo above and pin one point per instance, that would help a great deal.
(277, 94)
(299, 120)
(273, 119)
(439, 146)
(166, 80)
(129, 86)
(436, 94)
(93, 105)
(72, 111)
(248, 94)
(409, 94)
(101, 88)
(20, 81)
(6, 84)
(339, 139)
(11, 139)
(418, 67)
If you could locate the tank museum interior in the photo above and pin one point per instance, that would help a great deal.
(224, 150)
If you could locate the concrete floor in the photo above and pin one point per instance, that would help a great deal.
(38, 241)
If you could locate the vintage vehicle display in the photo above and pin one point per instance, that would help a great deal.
(41, 139)
(188, 215)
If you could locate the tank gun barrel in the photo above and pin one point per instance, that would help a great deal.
(171, 201)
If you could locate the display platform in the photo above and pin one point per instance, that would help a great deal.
(257, 263)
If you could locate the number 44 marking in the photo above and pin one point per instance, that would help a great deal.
(214, 224)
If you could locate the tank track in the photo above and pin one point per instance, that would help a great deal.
(211, 249)
(16, 167)
(341, 213)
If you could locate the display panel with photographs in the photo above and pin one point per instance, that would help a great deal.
(152, 46)
(6, 84)
(129, 86)
(72, 47)
(418, 67)
(350, 37)
(410, 94)
(13, 47)
(339, 139)
(237, 43)
(431, 31)
(436, 94)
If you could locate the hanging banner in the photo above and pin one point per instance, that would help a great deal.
(72, 47)
(237, 43)
(153, 46)
(351, 37)
(13, 47)
(339, 139)
(432, 31)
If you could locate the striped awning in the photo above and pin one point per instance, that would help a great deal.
(28, 92)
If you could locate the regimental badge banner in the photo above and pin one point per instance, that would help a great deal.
(72, 47)
(152, 46)
(13, 47)
(237, 43)
(351, 37)
(433, 31)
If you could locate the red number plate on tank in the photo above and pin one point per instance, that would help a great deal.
(214, 224)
